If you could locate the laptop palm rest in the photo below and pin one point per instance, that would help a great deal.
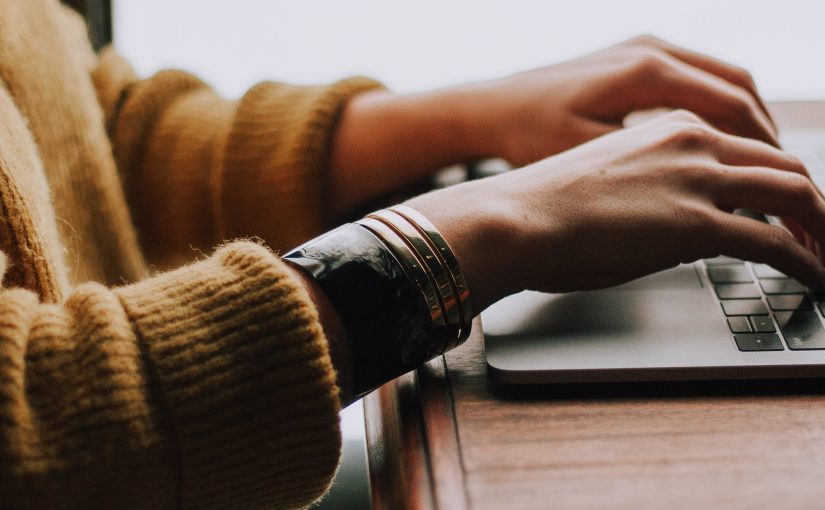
(642, 330)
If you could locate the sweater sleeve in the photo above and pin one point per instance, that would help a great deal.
(208, 386)
(198, 169)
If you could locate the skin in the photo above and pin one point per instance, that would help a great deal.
(628, 204)
(529, 116)
(577, 219)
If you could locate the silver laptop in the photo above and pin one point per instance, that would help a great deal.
(714, 319)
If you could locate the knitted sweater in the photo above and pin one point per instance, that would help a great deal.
(207, 386)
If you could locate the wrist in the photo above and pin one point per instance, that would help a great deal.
(480, 226)
(468, 121)
(448, 125)
(386, 319)
(481, 121)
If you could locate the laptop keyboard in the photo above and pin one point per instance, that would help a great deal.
(766, 310)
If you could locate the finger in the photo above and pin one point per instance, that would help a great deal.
(729, 72)
(748, 239)
(738, 151)
(797, 230)
(675, 84)
(774, 192)
(735, 150)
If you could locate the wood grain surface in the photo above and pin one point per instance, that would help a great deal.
(638, 446)
(451, 438)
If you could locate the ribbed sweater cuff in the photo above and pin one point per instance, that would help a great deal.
(273, 182)
(239, 354)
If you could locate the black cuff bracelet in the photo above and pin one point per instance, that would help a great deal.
(387, 321)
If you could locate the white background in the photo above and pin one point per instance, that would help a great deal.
(413, 45)
(418, 44)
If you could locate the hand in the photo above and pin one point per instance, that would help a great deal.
(531, 115)
(628, 204)
(385, 141)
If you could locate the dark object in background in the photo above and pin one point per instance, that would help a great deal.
(98, 14)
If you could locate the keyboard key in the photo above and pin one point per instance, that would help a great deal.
(739, 325)
(759, 342)
(766, 271)
(802, 330)
(789, 302)
(723, 261)
(737, 291)
(782, 286)
(762, 324)
(729, 274)
(744, 307)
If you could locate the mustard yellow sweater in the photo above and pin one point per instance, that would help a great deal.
(207, 386)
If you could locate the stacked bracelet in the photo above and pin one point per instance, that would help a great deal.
(453, 319)
(397, 287)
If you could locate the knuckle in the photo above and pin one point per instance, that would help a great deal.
(744, 75)
(700, 219)
(744, 105)
(645, 40)
(717, 173)
(689, 136)
(795, 164)
(800, 189)
(708, 219)
(649, 64)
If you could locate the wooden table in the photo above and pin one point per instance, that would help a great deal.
(448, 437)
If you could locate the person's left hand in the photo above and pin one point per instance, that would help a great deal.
(534, 114)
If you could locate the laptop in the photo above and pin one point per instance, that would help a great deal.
(713, 319)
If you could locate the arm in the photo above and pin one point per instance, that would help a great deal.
(284, 163)
(198, 169)
(628, 204)
(206, 386)
(385, 140)
(570, 222)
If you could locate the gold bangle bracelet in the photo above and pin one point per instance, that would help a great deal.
(436, 269)
(386, 321)
(416, 272)
(448, 258)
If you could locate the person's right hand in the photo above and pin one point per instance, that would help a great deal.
(384, 141)
(534, 114)
(628, 204)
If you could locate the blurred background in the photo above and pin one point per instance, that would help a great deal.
(432, 43)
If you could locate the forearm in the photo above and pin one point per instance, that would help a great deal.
(126, 388)
(385, 142)
(198, 169)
